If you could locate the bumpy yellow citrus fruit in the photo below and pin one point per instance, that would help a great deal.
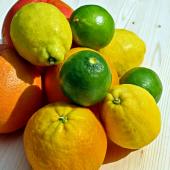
(63, 137)
(41, 33)
(130, 116)
(126, 50)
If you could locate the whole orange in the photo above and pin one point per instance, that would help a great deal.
(61, 136)
(53, 91)
(20, 91)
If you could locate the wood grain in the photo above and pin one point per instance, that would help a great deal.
(150, 19)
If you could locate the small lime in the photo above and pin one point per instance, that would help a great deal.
(92, 26)
(146, 78)
(85, 77)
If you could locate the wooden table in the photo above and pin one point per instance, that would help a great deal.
(150, 19)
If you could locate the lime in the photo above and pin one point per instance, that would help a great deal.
(85, 77)
(41, 34)
(146, 78)
(92, 26)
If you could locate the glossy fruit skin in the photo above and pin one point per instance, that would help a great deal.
(85, 78)
(145, 78)
(131, 116)
(20, 91)
(60, 136)
(92, 26)
(126, 50)
(63, 7)
(46, 36)
(52, 85)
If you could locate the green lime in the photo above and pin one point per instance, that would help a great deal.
(92, 26)
(146, 78)
(85, 77)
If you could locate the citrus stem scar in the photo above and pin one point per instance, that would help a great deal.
(93, 60)
(51, 60)
(76, 19)
(116, 101)
(63, 119)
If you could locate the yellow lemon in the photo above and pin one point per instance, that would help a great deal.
(130, 116)
(60, 136)
(126, 50)
(41, 33)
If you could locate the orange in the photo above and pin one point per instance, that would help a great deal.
(20, 91)
(63, 137)
(52, 87)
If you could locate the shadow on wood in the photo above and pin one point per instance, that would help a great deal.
(115, 152)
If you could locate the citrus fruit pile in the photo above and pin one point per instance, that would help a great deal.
(75, 83)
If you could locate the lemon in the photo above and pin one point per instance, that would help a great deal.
(126, 50)
(131, 116)
(41, 33)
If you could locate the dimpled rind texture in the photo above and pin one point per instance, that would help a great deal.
(40, 31)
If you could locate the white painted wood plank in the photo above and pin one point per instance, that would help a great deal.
(147, 15)
(145, 18)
